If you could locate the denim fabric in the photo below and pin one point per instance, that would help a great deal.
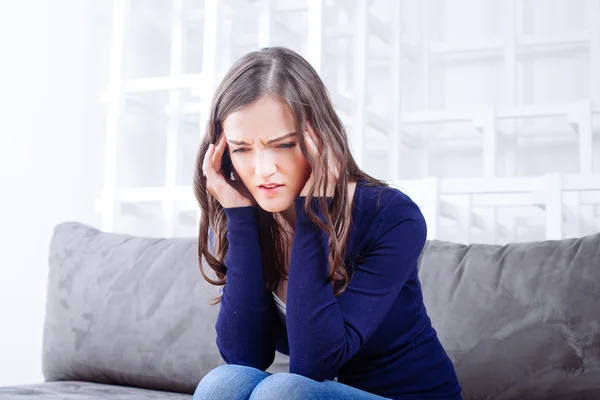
(235, 382)
(229, 382)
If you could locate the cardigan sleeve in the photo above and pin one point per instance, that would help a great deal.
(325, 332)
(246, 332)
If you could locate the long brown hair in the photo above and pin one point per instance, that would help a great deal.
(284, 74)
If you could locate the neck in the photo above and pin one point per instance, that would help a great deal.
(288, 217)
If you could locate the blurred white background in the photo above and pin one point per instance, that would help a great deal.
(45, 163)
(486, 112)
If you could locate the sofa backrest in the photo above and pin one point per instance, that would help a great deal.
(127, 310)
(518, 321)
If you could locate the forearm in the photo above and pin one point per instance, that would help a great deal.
(325, 332)
(315, 323)
(245, 328)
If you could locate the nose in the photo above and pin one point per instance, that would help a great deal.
(265, 165)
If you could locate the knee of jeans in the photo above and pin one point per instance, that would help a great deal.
(230, 382)
(285, 386)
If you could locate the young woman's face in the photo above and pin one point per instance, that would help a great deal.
(263, 146)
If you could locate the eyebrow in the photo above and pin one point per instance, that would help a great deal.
(269, 142)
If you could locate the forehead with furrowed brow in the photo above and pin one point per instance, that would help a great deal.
(279, 139)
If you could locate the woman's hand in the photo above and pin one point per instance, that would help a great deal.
(229, 193)
(310, 139)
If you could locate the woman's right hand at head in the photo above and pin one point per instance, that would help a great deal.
(230, 194)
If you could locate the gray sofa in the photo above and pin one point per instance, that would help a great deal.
(128, 318)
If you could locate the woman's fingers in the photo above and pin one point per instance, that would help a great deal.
(312, 147)
(206, 163)
(334, 168)
(206, 168)
(309, 133)
(213, 179)
(225, 193)
(333, 164)
(219, 149)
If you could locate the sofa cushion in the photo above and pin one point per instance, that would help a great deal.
(130, 311)
(127, 310)
(83, 391)
(520, 321)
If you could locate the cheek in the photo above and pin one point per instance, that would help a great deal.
(243, 166)
(302, 168)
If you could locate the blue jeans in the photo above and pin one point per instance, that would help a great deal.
(236, 382)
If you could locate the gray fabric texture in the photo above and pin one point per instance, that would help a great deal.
(129, 311)
(84, 391)
(520, 321)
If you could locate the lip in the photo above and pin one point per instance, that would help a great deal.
(270, 191)
(270, 184)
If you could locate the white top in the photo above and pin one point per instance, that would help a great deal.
(280, 307)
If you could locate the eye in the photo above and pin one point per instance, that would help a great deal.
(287, 146)
(238, 151)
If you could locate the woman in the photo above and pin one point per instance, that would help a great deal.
(316, 259)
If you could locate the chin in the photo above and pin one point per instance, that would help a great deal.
(275, 205)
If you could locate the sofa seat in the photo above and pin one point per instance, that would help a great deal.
(72, 390)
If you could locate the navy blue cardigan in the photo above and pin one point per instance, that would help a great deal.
(375, 336)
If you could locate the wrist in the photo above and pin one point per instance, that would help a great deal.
(241, 215)
(315, 206)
